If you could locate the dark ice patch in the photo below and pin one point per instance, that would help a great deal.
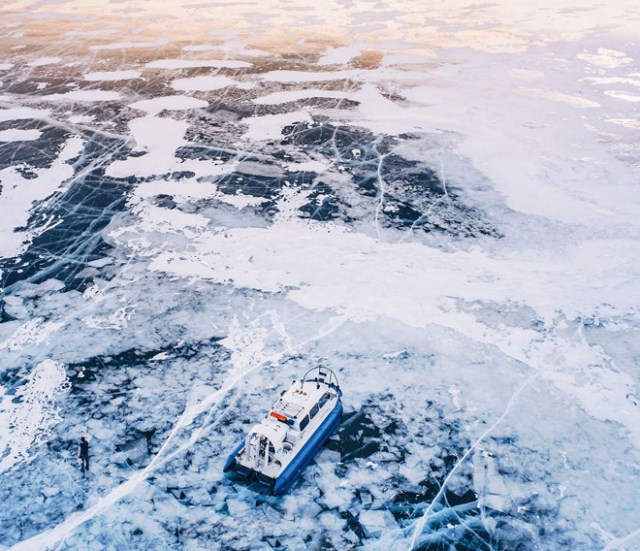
(77, 215)
(204, 153)
(323, 204)
(26, 156)
(374, 434)
(412, 195)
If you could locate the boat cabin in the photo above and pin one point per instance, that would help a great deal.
(284, 426)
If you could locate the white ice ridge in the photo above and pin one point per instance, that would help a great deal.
(26, 423)
(249, 349)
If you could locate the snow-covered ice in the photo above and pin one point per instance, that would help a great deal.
(199, 202)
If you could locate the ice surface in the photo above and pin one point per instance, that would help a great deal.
(112, 75)
(203, 84)
(83, 95)
(40, 62)
(195, 63)
(20, 192)
(438, 203)
(20, 113)
(25, 425)
(170, 103)
(129, 44)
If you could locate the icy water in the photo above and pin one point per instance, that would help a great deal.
(200, 201)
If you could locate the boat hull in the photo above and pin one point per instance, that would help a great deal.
(283, 482)
(230, 463)
(308, 451)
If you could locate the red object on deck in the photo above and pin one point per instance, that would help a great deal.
(278, 416)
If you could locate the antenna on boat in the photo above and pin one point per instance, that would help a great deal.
(325, 375)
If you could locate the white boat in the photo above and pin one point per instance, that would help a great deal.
(277, 449)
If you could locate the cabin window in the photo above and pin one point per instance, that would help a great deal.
(324, 399)
(314, 411)
(304, 422)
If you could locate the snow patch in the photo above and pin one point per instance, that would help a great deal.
(84, 95)
(269, 127)
(18, 135)
(340, 55)
(42, 61)
(19, 194)
(197, 63)
(27, 418)
(203, 84)
(169, 103)
(33, 332)
(22, 113)
(622, 95)
(118, 320)
(110, 76)
(606, 58)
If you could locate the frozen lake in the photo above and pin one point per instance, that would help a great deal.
(200, 201)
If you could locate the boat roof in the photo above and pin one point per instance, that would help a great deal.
(300, 398)
(275, 432)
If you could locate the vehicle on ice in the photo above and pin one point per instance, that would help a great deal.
(277, 449)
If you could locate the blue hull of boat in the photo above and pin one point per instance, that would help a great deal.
(283, 483)
(231, 460)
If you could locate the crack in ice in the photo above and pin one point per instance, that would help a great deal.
(247, 351)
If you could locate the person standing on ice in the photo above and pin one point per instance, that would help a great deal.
(84, 454)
